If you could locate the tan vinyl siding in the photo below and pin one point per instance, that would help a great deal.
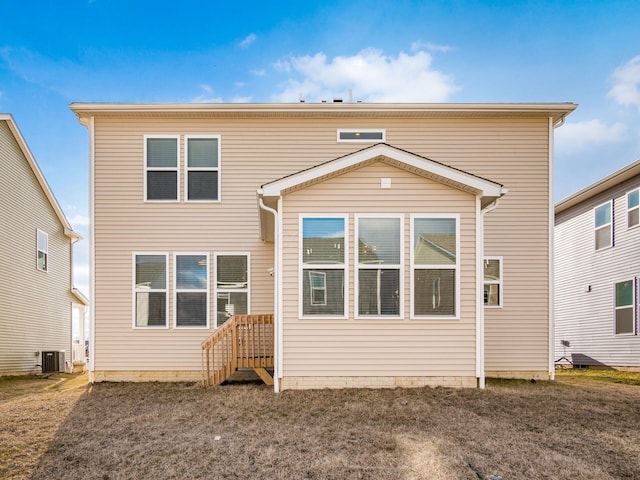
(35, 306)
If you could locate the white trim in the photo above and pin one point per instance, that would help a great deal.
(637, 207)
(45, 250)
(596, 228)
(92, 250)
(500, 282)
(361, 130)
(217, 290)
(177, 290)
(358, 267)
(161, 169)
(187, 169)
(134, 291)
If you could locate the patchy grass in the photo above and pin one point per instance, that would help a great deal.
(576, 427)
(606, 375)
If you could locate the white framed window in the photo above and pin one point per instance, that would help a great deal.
(323, 261)
(435, 266)
(42, 250)
(191, 300)
(625, 307)
(161, 176)
(379, 273)
(150, 285)
(492, 281)
(232, 285)
(603, 215)
(362, 135)
(202, 165)
(633, 208)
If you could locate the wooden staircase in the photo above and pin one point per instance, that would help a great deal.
(244, 341)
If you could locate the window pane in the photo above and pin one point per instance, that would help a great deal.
(203, 185)
(42, 261)
(191, 272)
(434, 241)
(323, 240)
(151, 309)
(151, 272)
(492, 294)
(603, 237)
(379, 241)
(162, 185)
(624, 320)
(632, 199)
(162, 152)
(633, 218)
(232, 271)
(624, 293)
(230, 304)
(323, 292)
(491, 270)
(203, 152)
(43, 241)
(191, 309)
(379, 292)
(603, 215)
(435, 292)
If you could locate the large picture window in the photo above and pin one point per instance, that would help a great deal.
(379, 266)
(633, 208)
(625, 307)
(603, 226)
(492, 281)
(161, 168)
(42, 248)
(150, 290)
(203, 168)
(435, 264)
(191, 290)
(232, 286)
(324, 258)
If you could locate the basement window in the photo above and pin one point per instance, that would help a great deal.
(362, 135)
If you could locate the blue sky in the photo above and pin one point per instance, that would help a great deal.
(55, 53)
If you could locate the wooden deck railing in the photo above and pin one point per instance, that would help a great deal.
(244, 341)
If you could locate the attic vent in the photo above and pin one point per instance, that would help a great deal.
(362, 135)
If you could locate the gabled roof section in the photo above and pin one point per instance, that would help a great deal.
(13, 127)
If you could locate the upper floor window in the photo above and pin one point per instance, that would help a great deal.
(161, 168)
(42, 248)
(633, 208)
(625, 307)
(493, 282)
(603, 225)
(361, 135)
(202, 180)
(150, 290)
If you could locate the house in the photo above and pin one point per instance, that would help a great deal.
(597, 266)
(341, 244)
(38, 297)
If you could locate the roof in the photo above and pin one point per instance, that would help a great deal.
(598, 187)
(22, 144)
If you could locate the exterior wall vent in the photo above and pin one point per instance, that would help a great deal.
(53, 361)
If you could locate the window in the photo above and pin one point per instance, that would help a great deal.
(42, 247)
(633, 208)
(435, 263)
(493, 282)
(324, 258)
(192, 290)
(203, 164)
(150, 290)
(362, 135)
(603, 226)
(232, 286)
(161, 168)
(625, 307)
(379, 265)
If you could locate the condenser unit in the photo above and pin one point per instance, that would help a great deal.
(53, 361)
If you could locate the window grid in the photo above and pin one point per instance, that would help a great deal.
(633, 208)
(191, 290)
(490, 293)
(625, 301)
(232, 297)
(42, 250)
(191, 171)
(154, 172)
(603, 223)
(144, 292)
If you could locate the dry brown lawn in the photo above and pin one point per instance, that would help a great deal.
(583, 426)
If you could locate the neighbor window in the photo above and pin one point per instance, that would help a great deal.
(492, 282)
(633, 208)
(625, 307)
(202, 180)
(361, 135)
(232, 286)
(150, 290)
(603, 226)
(379, 265)
(42, 247)
(323, 265)
(435, 263)
(191, 290)
(161, 168)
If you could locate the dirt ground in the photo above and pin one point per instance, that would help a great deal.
(583, 426)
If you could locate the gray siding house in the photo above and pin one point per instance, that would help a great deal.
(597, 268)
(37, 297)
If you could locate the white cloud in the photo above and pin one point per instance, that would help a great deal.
(207, 95)
(432, 47)
(370, 75)
(626, 79)
(248, 40)
(580, 136)
(79, 220)
(240, 100)
(259, 73)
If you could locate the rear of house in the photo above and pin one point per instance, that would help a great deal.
(394, 244)
(597, 239)
(37, 295)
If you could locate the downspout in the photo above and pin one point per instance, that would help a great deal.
(277, 324)
(552, 369)
(92, 252)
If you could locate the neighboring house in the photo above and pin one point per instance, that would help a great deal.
(389, 244)
(597, 267)
(37, 296)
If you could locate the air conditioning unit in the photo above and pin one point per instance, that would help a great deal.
(53, 361)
